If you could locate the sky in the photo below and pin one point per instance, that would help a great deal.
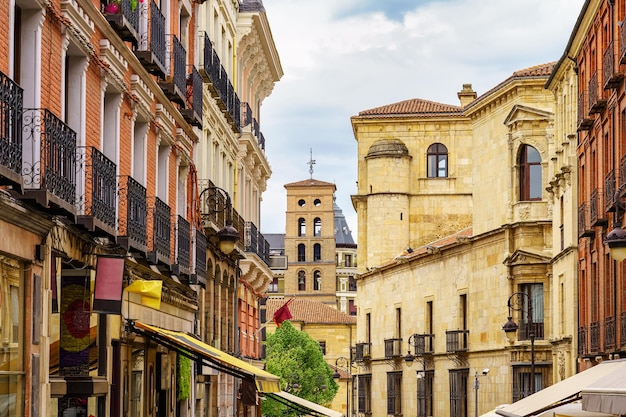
(341, 57)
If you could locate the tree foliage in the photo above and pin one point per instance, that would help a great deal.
(298, 360)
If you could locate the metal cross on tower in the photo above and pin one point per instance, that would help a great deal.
(311, 162)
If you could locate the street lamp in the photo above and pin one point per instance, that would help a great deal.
(616, 239)
(516, 302)
(228, 235)
(345, 363)
(476, 386)
(418, 343)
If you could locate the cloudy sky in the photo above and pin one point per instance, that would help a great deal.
(343, 56)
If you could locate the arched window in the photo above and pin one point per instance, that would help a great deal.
(301, 281)
(437, 161)
(301, 252)
(317, 281)
(301, 227)
(317, 252)
(317, 227)
(529, 174)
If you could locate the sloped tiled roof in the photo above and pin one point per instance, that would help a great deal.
(309, 182)
(343, 234)
(309, 311)
(251, 6)
(413, 106)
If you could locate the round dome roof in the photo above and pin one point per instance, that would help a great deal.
(388, 147)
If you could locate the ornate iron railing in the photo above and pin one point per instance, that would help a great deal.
(456, 340)
(582, 340)
(176, 57)
(423, 344)
(594, 337)
(133, 203)
(201, 247)
(153, 39)
(161, 226)
(622, 328)
(609, 189)
(125, 19)
(255, 242)
(246, 114)
(609, 333)
(100, 198)
(393, 348)
(183, 254)
(363, 352)
(51, 164)
(11, 102)
(194, 96)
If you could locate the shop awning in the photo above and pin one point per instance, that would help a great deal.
(195, 349)
(607, 395)
(563, 392)
(303, 406)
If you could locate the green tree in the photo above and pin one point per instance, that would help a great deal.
(298, 360)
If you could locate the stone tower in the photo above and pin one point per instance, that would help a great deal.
(310, 240)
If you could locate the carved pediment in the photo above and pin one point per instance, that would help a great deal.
(520, 113)
(522, 257)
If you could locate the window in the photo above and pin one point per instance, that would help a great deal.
(301, 252)
(351, 283)
(351, 308)
(437, 161)
(364, 394)
(317, 252)
(322, 346)
(348, 260)
(458, 392)
(522, 386)
(317, 226)
(273, 287)
(529, 174)
(425, 393)
(534, 294)
(317, 202)
(301, 203)
(317, 281)
(394, 393)
(301, 281)
(301, 227)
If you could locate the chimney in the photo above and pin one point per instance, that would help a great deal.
(466, 95)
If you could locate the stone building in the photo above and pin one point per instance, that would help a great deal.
(456, 225)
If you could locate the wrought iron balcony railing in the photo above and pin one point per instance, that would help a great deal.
(220, 86)
(363, 352)
(49, 159)
(584, 225)
(582, 341)
(248, 120)
(612, 76)
(609, 334)
(97, 203)
(246, 114)
(622, 327)
(123, 16)
(393, 348)
(161, 227)
(525, 330)
(132, 208)
(584, 122)
(456, 341)
(193, 112)
(594, 337)
(175, 84)
(423, 344)
(151, 49)
(256, 243)
(597, 216)
(183, 246)
(597, 103)
(11, 107)
(200, 259)
(609, 190)
(622, 44)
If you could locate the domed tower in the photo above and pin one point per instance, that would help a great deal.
(387, 200)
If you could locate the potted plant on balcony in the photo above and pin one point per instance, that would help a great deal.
(113, 7)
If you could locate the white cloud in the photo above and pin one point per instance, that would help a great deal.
(337, 66)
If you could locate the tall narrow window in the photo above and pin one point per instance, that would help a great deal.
(534, 294)
(364, 394)
(458, 392)
(522, 377)
(301, 281)
(425, 394)
(529, 174)
(317, 252)
(317, 226)
(317, 281)
(301, 227)
(394, 393)
(437, 161)
(301, 252)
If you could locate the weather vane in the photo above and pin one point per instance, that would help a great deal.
(311, 162)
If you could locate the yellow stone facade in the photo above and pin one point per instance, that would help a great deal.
(445, 253)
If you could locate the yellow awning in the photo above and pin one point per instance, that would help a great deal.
(265, 382)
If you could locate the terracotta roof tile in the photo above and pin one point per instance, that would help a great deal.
(309, 311)
(309, 182)
(413, 106)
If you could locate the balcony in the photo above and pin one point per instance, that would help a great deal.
(11, 99)
(49, 161)
(363, 352)
(199, 276)
(597, 216)
(525, 330)
(159, 217)
(98, 202)
(132, 222)
(220, 86)
(123, 16)
(594, 337)
(393, 348)
(609, 334)
(622, 44)
(584, 225)
(622, 328)
(183, 247)
(256, 243)
(247, 120)
(175, 84)
(584, 122)
(151, 49)
(597, 103)
(193, 112)
(609, 191)
(423, 344)
(582, 341)
(612, 77)
(456, 341)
